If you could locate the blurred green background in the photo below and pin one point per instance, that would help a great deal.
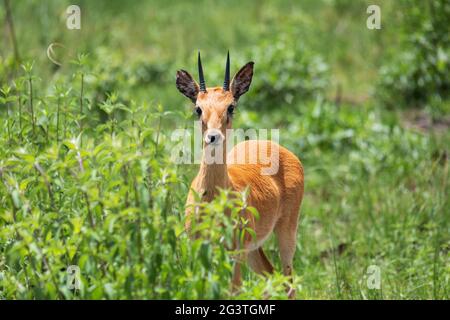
(367, 111)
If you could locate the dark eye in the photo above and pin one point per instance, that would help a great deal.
(230, 110)
(198, 111)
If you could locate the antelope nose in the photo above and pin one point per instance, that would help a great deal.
(212, 137)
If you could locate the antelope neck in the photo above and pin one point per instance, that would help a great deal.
(212, 176)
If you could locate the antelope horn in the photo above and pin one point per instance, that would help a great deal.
(226, 82)
(200, 74)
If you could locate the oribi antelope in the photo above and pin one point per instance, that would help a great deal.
(277, 197)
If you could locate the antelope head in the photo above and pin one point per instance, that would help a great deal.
(215, 106)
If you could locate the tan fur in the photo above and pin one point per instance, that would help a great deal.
(276, 197)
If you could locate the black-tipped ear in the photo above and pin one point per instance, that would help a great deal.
(242, 80)
(187, 85)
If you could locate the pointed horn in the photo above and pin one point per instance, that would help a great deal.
(226, 82)
(200, 74)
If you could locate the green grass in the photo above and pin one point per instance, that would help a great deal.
(96, 187)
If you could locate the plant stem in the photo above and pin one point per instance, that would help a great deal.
(139, 220)
(30, 82)
(20, 118)
(57, 120)
(112, 123)
(8, 121)
(157, 136)
(81, 93)
(81, 98)
(81, 107)
(65, 123)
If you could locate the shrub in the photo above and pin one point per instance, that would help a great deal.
(286, 70)
(421, 72)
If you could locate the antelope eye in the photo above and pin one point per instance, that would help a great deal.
(198, 111)
(230, 109)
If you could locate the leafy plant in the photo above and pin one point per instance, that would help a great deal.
(419, 74)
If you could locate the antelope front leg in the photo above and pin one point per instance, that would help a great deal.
(236, 281)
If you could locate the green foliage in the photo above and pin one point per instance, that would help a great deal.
(110, 207)
(420, 73)
(286, 71)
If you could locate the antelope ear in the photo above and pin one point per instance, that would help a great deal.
(187, 85)
(242, 80)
